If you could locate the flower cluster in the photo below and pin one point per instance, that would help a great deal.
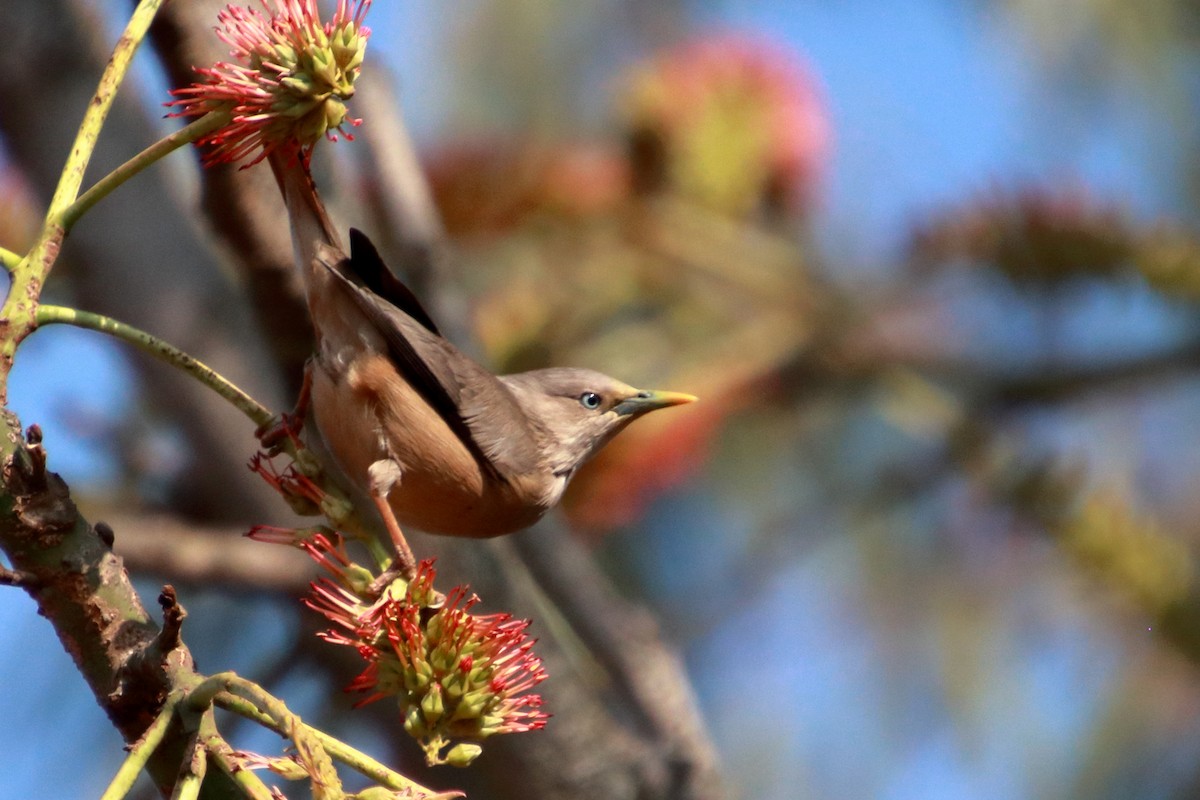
(730, 120)
(455, 675)
(1049, 236)
(290, 83)
(1033, 235)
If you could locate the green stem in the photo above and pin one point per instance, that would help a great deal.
(188, 787)
(202, 695)
(336, 748)
(17, 316)
(139, 754)
(49, 315)
(382, 556)
(9, 259)
(97, 110)
(168, 144)
(309, 750)
(191, 776)
(220, 752)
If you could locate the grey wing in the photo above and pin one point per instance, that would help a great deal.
(474, 403)
(498, 424)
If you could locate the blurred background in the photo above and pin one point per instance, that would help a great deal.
(930, 265)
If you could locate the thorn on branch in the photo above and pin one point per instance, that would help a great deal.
(106, 534)
(41, 502)
(170, 637)
(37, 457)
(16, 577)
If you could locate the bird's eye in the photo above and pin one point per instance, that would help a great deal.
(589, 400)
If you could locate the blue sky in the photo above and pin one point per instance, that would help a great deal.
(930, 100)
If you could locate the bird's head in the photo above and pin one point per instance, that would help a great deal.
(579, 410)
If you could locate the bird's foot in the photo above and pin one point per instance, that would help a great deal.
(383, 475)
(281, 428)
(380, 585)
(288, 425)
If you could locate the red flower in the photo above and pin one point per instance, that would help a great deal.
(289, 84)
(455, 675)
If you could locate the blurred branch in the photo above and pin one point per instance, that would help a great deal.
(400, 198)
(184, 553)
(592, 750)
(155, 273)
(855, 349)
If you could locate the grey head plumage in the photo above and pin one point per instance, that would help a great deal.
(579, 410)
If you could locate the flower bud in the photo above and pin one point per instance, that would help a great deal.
(463, 754)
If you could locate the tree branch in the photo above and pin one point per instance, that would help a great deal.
(82, 588)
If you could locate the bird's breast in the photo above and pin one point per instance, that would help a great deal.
(366, 412)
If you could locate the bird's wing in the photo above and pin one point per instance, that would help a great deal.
(367, 265)
(476, 405)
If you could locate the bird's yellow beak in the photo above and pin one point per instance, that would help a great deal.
(649, 400)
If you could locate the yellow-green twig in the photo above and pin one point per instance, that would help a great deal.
(9, 259)
(49, 315)
(140, 752)
(97, 110)
(309, 749)
(191, 775)
(337, 749)
(17, 316)
(229, 763)
(103, 187)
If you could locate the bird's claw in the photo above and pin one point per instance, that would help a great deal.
(288, 424)
(279, 429)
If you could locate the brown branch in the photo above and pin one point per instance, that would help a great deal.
(406, 220)
(16, 577)
(190, 554)
(82, 588)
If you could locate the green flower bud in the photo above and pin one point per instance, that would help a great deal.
(432, 706)
(463, 754)
(414, 724)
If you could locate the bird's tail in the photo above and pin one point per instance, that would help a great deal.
(310, 223)
(316, 248)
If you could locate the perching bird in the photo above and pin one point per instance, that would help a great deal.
(436, 440)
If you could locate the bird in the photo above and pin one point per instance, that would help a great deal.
(435, 439)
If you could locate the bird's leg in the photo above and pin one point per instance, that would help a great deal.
(383, 475)
(289, 423)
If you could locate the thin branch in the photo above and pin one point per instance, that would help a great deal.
(29, 273)
(337, 749)
(140, 752)
(191, 770)
(9, 259)
(229, 763)
(50, 315)
(97, 111)
(133, 166)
